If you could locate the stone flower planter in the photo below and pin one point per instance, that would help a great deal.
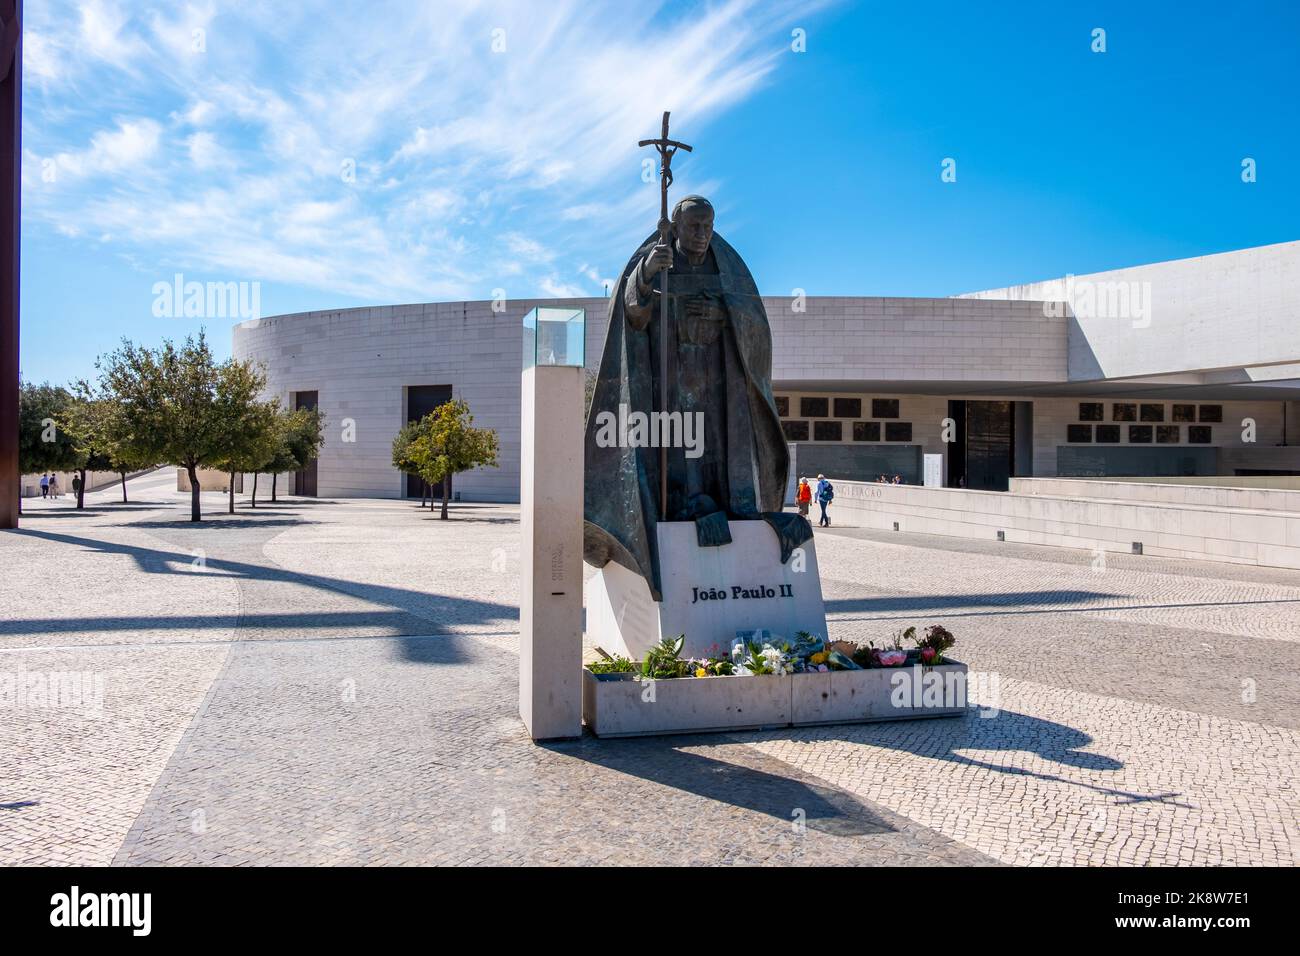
(878, 693)
(619, 705)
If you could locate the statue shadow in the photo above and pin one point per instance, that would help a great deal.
(747, 780)
(953, 739)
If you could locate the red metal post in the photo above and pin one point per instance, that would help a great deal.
(11, 125)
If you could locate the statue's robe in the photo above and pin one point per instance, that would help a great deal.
(720, 366)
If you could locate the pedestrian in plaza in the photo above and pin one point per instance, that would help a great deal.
(825, 495)
(76, 485)
(45, 485)
(54, 486)
(803, 496)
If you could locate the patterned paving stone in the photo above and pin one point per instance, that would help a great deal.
(335, 683)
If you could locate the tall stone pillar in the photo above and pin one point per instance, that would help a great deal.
(550, 605)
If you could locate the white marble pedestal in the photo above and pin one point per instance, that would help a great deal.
(708, 593)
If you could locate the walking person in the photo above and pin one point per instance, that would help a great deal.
(76, 485)
(45, 485)
(803, 496)
(54, 486)
(825, 495)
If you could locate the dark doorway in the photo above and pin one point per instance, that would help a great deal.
(304, 481)
(982, 455)
(420, 401)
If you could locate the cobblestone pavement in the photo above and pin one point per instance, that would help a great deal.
(334, 682)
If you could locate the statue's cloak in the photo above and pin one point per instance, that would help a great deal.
(621, 504)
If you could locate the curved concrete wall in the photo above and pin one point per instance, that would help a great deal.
(361, 361)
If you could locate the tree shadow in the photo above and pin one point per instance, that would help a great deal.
(234, 522)
(58, 511)
(933, 602)
(415, 604)
(464, 518)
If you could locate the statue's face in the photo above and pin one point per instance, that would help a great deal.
(695, 230)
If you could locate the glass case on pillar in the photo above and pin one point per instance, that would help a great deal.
(555, 337)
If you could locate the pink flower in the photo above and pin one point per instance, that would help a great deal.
(892, 658)
(927, 655)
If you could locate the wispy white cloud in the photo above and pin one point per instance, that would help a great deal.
(421, 151)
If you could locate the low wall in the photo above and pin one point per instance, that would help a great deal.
(1237, 535)
(1153, 492)
(210, 480)
(30, 485)
(1280, 482)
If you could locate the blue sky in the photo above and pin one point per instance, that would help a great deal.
(344, 154)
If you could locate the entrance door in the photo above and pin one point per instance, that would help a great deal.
(983, 453)
(304, 481)
(420, 401)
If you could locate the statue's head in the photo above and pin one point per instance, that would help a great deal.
(693, 226)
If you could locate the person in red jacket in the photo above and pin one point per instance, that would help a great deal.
(803, 496)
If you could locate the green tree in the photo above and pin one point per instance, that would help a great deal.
(42, 444)
(282, 457)
(402, 459)
(449, 444)
(247, 424)
(176, 403)
(295, 439)
(89, 419)
(305, 436)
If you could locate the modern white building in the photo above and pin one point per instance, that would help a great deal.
(1181, 368)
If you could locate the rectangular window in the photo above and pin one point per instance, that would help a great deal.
(1168, 434)
(898, 431)
(848, 408)
(814, 407)
(1211, 413)
(884, 408)
(1108, 434)
(1139, 434)
(1123, 412)
(866, 431)
(783, 405)
(1078, 433)
(828, 431)
(1153, 413)
(1184, 413)
(1092, 412)
(795, 431)
(1198, 434)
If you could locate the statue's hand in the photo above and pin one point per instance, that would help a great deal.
(656, 260)
(703, 307)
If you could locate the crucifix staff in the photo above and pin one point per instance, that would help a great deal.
(666, 148)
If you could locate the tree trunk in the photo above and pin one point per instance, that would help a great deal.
(195, 511)
(231, 509)
(274, 479)
(123, 487)
(446, 493)
(81, 489)
(254, 489)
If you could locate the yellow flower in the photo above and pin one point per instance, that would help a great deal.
(820, 657)
(701, 672)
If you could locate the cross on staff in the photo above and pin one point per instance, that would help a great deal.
(666, 148)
